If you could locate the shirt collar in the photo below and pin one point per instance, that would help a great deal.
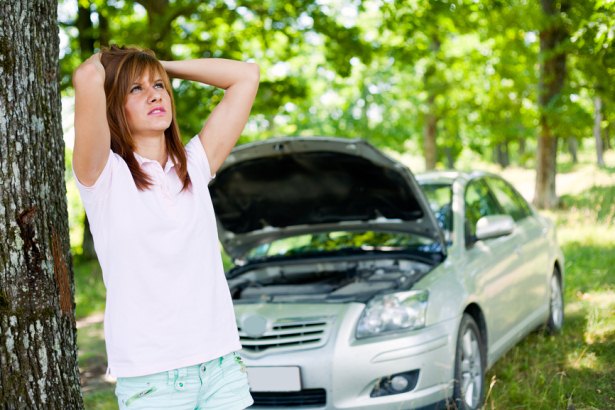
(142, 160)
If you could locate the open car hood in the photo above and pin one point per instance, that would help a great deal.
(290, 186)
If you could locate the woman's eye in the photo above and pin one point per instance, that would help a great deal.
(159, 85)
(135, 88)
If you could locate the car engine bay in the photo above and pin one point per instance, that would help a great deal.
(326, 281)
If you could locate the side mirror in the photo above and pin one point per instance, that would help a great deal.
(494, 226)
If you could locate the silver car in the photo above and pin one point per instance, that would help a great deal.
(358, 286)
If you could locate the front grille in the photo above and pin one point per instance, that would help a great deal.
(310, 397)
(288, 334)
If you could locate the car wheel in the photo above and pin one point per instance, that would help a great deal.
(556, 305)
(469, 366)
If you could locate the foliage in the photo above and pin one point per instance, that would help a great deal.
(373, 69)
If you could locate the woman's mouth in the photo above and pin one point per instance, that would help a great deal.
(157, 110)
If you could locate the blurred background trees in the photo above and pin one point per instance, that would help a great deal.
(513, 81)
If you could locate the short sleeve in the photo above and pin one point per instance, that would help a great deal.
(196, 153)
(96, 192)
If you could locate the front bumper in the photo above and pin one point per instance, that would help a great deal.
(345, 371)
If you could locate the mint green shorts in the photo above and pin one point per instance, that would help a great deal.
(218, 384)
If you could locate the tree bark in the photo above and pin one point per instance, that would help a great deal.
(552, 77)
(38, 357)
(598, 131)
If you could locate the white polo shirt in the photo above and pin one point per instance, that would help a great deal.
(168, 302)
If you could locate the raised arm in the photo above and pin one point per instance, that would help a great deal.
(92, 136)
(240, 82)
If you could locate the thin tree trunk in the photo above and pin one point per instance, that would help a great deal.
(86, 31)
(573, 149)
(450, 159)
(431, 123)
(521, 152)
(501, 154)
(430, 126)
(607, 137)
(597, 130)
(103, 29)
(38, 357)
(552, 77)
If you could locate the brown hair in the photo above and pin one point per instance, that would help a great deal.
(123, 65)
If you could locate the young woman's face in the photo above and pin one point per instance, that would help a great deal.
(148, 106)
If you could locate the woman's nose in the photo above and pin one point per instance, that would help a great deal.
(154, 96)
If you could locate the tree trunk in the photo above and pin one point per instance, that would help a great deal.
(521, 152)
(450, 158)
(597, 130)
(103, 29)
(430, 125)
(552, 76)
(38, 357)
(573, 149)
(429, 146)
(86, 31)
(501, 154)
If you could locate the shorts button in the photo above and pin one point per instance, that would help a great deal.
(179, 385)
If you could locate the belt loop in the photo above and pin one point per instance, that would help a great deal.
(172, 376)
(183, 372)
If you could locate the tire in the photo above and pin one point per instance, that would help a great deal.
(555, 322)
(469, 390)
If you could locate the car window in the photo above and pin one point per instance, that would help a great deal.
(512, 203)
(440, 197)
(340, 241)
(479, 202)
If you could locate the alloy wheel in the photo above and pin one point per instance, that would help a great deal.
(556, 303)
(470, 356)
(471, 368)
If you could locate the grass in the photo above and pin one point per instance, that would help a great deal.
(576, 369)
(573, 370)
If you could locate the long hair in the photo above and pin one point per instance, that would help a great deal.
(123, 66)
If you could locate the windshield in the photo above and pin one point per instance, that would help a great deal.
(343, 242)
(440, 196)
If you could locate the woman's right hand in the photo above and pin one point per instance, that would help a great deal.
(91, 66)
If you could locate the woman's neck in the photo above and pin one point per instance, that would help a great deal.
(153, 148)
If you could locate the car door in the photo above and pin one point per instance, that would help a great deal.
(533, 257)
(493, 266)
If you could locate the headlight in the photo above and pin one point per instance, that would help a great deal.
(394, 311)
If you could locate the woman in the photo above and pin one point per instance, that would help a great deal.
(170, 328)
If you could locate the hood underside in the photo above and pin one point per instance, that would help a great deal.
(283, 187)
